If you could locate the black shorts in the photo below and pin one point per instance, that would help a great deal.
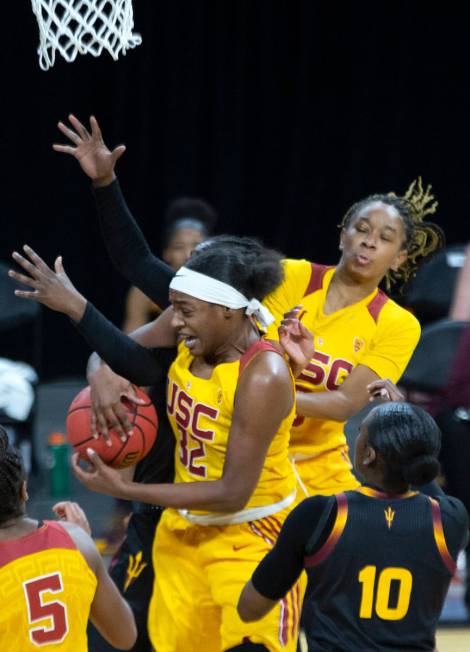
(132, 571)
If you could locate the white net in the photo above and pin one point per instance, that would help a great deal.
(73, 27)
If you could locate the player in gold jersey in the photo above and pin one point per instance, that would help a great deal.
(231, 403)
(52, 578)
(360, 334)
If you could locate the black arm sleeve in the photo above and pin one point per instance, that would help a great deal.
(127, 246)
(126, 357)
(281, 567)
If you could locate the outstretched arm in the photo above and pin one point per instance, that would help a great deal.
(125, 242)
(55, 290)
(127, 247)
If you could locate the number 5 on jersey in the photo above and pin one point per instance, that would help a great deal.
(49, 616)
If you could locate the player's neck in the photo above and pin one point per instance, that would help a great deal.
(345, 291)
(388, 487)
(234, 347)
(17, 527)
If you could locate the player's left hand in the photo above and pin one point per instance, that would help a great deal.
(53, 289)
(98, 476)
(296, 340)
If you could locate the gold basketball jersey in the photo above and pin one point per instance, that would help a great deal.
(200, 412)
(46, 589)
(375, 332)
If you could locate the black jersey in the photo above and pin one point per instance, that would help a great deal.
(158, 465)
(382, 575)
(379, 574)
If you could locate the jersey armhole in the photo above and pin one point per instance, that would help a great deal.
(439, 536)
(339, 524)
(252, 352)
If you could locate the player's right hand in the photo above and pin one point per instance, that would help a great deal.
(296, 340)
(108, 411)
(72, 513)
(96, 160)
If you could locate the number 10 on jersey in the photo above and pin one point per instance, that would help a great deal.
(380, 592)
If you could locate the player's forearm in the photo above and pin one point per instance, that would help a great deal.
(252, 605)
(125, 356)
(213, 495)
(327, 405)
(128, 248)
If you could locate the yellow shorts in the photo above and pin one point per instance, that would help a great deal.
(200, 572)
(327, 474)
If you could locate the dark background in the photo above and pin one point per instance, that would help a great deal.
(279, 113)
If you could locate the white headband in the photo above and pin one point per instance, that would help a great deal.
(209, 289)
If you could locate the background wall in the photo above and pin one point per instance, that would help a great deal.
(280, 113)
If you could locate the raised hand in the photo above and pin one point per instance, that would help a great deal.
(296, 340)
(72, 513)
(95, 158)
(51, 288)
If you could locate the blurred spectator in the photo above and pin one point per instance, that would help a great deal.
(451, 408)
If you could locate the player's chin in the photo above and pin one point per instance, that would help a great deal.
(364, 273)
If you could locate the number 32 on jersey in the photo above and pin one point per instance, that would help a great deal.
(188, 413)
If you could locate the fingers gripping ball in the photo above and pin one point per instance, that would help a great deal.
(143, 419)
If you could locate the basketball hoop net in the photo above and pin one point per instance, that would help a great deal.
(73, 27)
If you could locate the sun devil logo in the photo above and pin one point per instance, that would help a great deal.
(389, 516)
(358, 343)
(134, 569)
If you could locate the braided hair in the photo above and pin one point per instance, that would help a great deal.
(422, 239)
(12, 477)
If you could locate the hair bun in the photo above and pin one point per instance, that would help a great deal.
(421, 469)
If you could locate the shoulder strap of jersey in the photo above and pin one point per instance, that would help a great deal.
(439, 536)
(335, 534)
(376, 304)
(318, 531)
(316, 278)
(50, 535)
(253, 350)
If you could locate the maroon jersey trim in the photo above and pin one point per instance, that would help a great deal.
(316, 278)
(252, 351)
(376, 304)
(50, 535)
(335, 534)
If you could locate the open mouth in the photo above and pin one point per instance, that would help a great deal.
(189, 340)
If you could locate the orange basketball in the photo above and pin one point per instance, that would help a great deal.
(120, 454)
